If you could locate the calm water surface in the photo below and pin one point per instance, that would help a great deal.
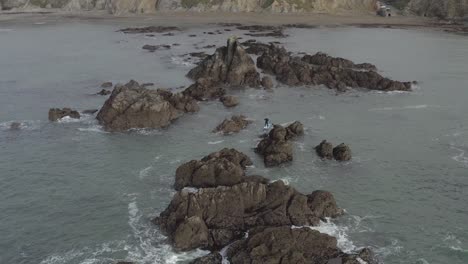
(71, 193)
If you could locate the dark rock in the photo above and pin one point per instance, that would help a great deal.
(125, 262)
(150, 29)
(192, 36)
(56, 113)
(209, 47)
(104, 92)
(15, 126)
(294, 130)
(233, 125)
(323, 204)
(205, 89)
(324, 150)
(175, 44)
(285, 245)
(180, 101)
(153, 48)
(229, 100)
(200, 55)
(225, 167)
(106, 85)
(342, 152)
(263, 31)
(168, 34)
(275, 149)
(90, 111)
(133, 106)
(321, 69)
(239, 207)
(230, 65)
(213, 258)
(191, 233)
(267, 82)
(323, 59)
(147, 84)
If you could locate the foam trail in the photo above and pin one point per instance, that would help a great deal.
(145, 172)
(215, 142)
(423, 106)
(181, 61)
(340, 232)
(461, 156)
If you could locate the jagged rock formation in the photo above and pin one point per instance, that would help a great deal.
(133, 106)
(233, 125)
(276, 148)
(272, 214)
(225, 167)
(335, 73)
(229, 100)
(229, 65)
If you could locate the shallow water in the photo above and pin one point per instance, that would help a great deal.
(72, 193)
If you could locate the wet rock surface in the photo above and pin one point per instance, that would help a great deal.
(205, 89)
(104, 92)
(106, 85)
(134, 106)
(150, 29)
(230, 65)
(263, 31)
(324, 150)
(342, 152)
(153, 48)
(233, 125)
(221, 212)
(321, 69)
(225, 167)
(276, 148)
(56, 113)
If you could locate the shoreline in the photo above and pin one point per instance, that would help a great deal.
(192, 19)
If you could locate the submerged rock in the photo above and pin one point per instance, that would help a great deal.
(133, 106)
(233, 125)
(230, 65)
(57, 113)
(104, 92)
(90, 111)
(225, 167)
(342, 152)
(150, 29)
(213, 258)
(15, 126)
(324, 150)
(267, 82)
(153, 48)
(229, 100)
(106, 85)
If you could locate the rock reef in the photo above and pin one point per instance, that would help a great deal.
(254, 220)
(56, 113)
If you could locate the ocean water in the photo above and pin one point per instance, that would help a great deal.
(72, 193)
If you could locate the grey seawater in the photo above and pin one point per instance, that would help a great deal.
(72, 193)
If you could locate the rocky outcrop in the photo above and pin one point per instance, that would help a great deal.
(251, 220)
(276, 148)
(149, 29)
(106, 85)
(229, 65)
(321, 69)
(439, 8)
(324, 150)
(225, 167)
(229, 100)
(205, 89)
(342, 152)
(133, 106)
(104, 92)
(229, 211)
(153, 48)
(233, 125)
(56, 113)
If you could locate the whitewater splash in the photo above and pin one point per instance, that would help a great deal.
(407, 107)
(460, 157)
(145, 245)
(215, 142)
(181, 61)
